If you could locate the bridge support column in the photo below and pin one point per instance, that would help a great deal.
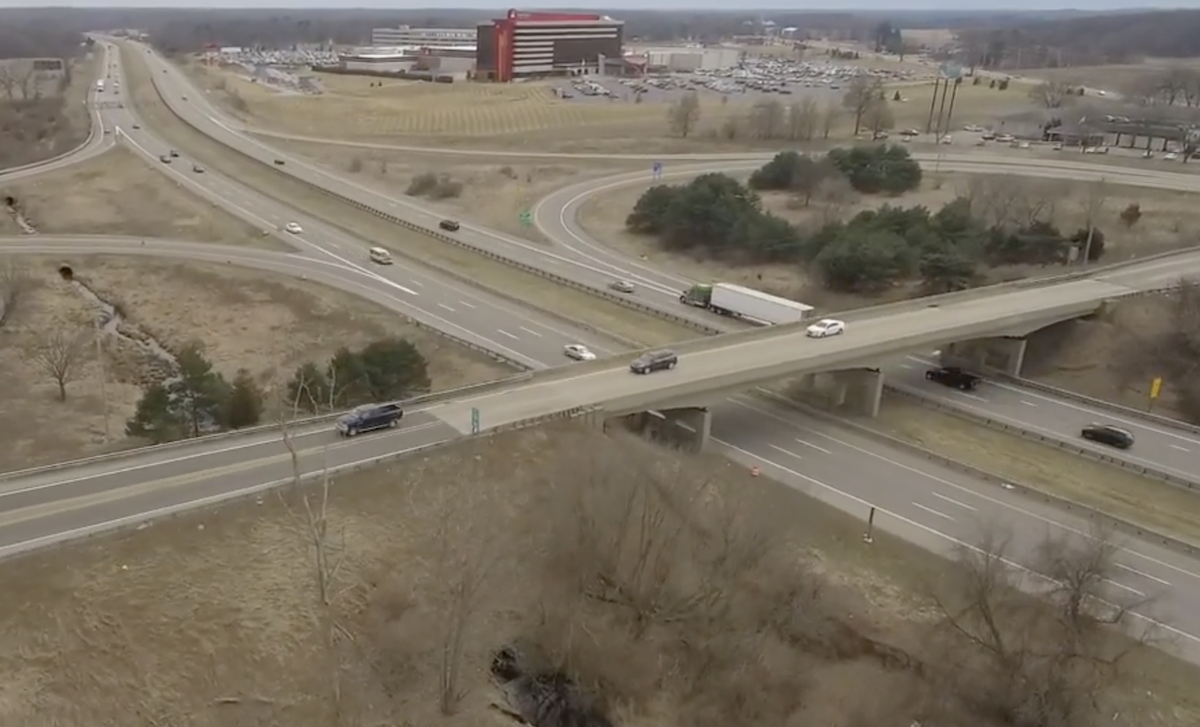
(1000, 354)
(682, 428)
(854, 391)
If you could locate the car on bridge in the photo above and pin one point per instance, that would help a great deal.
(654, 361)
(369, 417)
(579, 352)
(449, 225)
(294, 228)
(825, 328)
(954, 377)
(1109, 434)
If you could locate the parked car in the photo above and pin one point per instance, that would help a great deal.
(1109, 434)
(954, 377)
(579, 352)
(654, 361)
(621, 286)
(825, 327)
(449, 225)
(369, 417)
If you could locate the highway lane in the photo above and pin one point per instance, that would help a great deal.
(97, 141)
(1174, 451)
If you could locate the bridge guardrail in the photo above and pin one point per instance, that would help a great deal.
(422, 400)
(1086, 512)
(1151, 472)
(131, 521)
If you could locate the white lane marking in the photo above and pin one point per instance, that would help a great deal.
(1028, 403)
(945, 536)
(1134, 591)
(810, 444)
(931, 511)
(1181, 449)
(1143, 574)
(906, 366)
(952, 501)
(961, 488)
(417, 283)
(463, 302)
(1090, 411)
(784, 451)
(506, 333)
(532, 333)
(443, 305)
(976, 397)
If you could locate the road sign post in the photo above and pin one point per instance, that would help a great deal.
(1155, 390)
(867, 536)
(474, 420)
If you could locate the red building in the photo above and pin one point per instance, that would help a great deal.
(524, 44)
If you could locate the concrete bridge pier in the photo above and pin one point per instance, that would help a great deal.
(1000, 354)
(687, 428)
(856, 391)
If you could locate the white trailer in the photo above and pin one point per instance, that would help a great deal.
(756, 306)
(100, 85)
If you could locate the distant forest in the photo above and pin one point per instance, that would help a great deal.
(991, 39)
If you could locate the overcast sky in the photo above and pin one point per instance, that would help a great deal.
(619, 4)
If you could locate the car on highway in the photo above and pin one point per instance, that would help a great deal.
(579, 352)
(369, 417)
(137, 126)
(165, 159)
(954, 377)
(279, 162)
(380, 256)
(197, 169)
(174, 154)
(621, 286)
(449, 225)
(293, 228)
(648, 363)
(1109, 434)
(825, 328)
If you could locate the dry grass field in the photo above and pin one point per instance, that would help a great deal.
(118, 194)
(216, 619)
(525, 116)
(245, 319)
(1109, 77)
(1167, 218)
(51, 126)
(928, 37)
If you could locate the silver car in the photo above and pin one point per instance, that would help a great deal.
(621, 286)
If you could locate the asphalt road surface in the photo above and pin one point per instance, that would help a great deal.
(140, 488)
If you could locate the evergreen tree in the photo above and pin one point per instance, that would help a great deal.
(154, 419)
(243, 406)
(199, 392)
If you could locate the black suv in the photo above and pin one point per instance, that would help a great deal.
(954, 377)
(1113, 436)
(448, 225)
(654, 361)
(368, 417)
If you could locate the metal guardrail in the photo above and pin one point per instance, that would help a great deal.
(424, 399)
(137, 520)
(1125, 411)
(1086, 512)
(1157, 474)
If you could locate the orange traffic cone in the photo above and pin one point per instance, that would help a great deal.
(754, 471)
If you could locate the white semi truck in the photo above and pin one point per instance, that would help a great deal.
(749, 304)
(100, 85)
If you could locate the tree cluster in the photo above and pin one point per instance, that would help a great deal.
(196, 400)
(390, 369)
(434, 186)
(883, 169)
(947, 250)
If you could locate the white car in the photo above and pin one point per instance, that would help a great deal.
(579, 352)
(825, 328)
(293, 228)
(380, 256)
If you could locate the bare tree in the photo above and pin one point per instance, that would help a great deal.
(8, 82)
(683, 115)
(834, 193)
(15, 286)
(878, 117)
(1036, 660)
(830, 115)
(767, 120)
(803, 119)
(60, 353)
(1091, 204)
(862, 93)
(1052, 94)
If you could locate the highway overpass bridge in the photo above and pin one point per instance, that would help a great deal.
(980, 327)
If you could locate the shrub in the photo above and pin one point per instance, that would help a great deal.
(434, 186)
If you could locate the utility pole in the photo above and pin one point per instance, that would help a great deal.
(103, 379)
(937, 81)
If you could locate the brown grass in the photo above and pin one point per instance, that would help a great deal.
(267, 324)
(1152, 504)
(1109, 77)
(536, 291)
(38, 130)
(520, 116)
(105, 638)
(117, 194)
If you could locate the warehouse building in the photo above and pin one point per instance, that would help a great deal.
(531, 44)
(406, 36)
